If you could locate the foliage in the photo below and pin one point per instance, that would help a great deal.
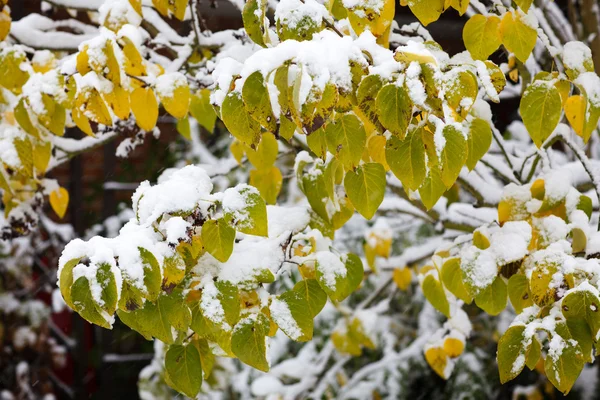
(344, 119)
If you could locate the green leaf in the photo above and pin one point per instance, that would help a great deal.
(238, 121)
(583, 304)
(365, 188)
(452, 279)
(434, 293)
(453, 156)
(478, 142)
(268, 182)
(250, 219)
(394, 109)
(178, 313)
(518, 37)
(202, 111)
(183, 365)
(291, 312)
(183, 127)
(481, 36)
(108, 283)
(86, 306)
(257, 101)
(315, 297)
(346, 139)
(151, 321)
(541, 110)
(22, 117)
(336, 283)
(406, 158)
(511, 353)
(493, 298)
(66, 281)
(518, 292)
(366, 94)
(152, 274)
(218, 237)
(432, 189)
(248, 341)
(253, 17)
(562, 368)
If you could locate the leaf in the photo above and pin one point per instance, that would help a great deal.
(540, 109)
(25, 153)
(518, 37)
(12, 77)
(178, 102)
(434, 292)
(394, 109)
(250, 219)
(202, 111)
(291, 312)
(402, 277)
(365, 188)
(237, 120)
(583, 305)
(59, 200)
(42, 153)
(268, 182)
(427, 11)
(562, 368)
(152, 274)
(108, 283)
(346, 139)
(178, 7)
(575, 113)
(406, 158)
(315, 297)
(248, 341)
(151, 321)
(5, 23)
(453, 155)
(253, 17)
(343, 284)
(493, 298)
(366, 96)
(218, 237)
(86, 306)
(145, 108)
(258, 103)
(183, 365)
(518, 292)
(437, 359)
(432, 189)
(511, 353)
(23, 119)
(265, 154)
(481, 36)
(478, 142)
(66, 280)
(118, 101)
(451, 277)
(524, 4)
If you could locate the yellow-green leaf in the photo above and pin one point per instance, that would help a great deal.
(365, 188)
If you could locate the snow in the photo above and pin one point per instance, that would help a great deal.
(575, 54)
(211, 306)
(331, 268)
(291, 12)
(35, 31)
(416, 90)
(590, 83)
(281, 314)
(167, 83)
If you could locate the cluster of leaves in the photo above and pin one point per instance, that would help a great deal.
(542, 258)
(194, 275)
(109, 80)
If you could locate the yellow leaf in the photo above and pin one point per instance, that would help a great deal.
(482, 36)
(41, 156)
(5, 22)
(118, 101)
(91, 104)
(437, 359)
(177, 98)
(161, 6)
(237, 149)
(268, 182)
(575, 112)
(133, 63)
(376, 149)
(427, 11)
(453, 346)
(137, 6)
(59, 200)
(178, 7)
(82, 122)
(518, 37)
(83, 61)
(402, 277)
(145, 108)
